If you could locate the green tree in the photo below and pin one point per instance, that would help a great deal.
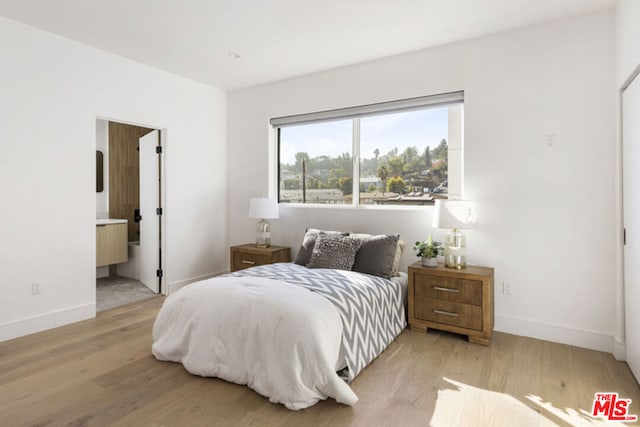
(346, 185)
(440, 171)
(427, 157)
(313, 183)
(396, 185)
(335, 175)
(383, 174)
(409, 154)
(440, 152)
(299, 158)
(395, 166)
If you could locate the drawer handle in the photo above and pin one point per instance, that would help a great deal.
(244, 261)
(446, 313)
(440, 288)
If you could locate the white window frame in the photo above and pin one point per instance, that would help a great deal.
(355, 114)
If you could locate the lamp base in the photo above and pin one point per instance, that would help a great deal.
(455, 250)
(457, 264)
(263, 234)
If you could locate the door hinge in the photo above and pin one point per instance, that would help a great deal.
(159, 149)
(159, 273)
(158, 211)
(624, 237)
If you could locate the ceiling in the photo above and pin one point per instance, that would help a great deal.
(277, 39)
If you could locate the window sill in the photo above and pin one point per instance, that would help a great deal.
(354, 207)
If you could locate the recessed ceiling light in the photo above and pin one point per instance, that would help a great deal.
(233, 55)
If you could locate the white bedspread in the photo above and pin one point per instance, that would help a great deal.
(259, 332)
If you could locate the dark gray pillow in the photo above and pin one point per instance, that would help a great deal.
(334, 251)
(308, 241)
(376, 255)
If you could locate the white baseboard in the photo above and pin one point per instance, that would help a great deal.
(174, 286)
(42, 322)
(619, 350)
(563, 334)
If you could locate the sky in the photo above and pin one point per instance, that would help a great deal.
(385, 132)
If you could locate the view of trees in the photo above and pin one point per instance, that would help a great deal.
(397, 172)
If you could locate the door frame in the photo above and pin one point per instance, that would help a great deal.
(619, 338)
(163, 284)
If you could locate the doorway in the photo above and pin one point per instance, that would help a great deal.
(128, 200)
(631, 220)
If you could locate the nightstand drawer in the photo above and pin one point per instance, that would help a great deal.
(246, 260)
(449, 313)
(248, 255)
(448, 289)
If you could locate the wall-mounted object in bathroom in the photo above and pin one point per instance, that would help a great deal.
(99, 173)
(111, 242)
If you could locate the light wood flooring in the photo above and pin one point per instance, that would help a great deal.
(101, 372)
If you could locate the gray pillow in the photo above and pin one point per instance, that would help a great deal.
(334, 251)
(308, 241)
(376, 255)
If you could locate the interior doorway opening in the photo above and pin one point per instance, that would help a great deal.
(128, 213)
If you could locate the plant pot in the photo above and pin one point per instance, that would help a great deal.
(430, 262)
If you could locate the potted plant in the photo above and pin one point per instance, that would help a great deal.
(428, 251)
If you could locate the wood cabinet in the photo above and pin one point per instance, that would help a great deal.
(111, 244)
(459, 301)
(248, 255)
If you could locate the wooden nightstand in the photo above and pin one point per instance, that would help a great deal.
(245, 256)
(459, 301)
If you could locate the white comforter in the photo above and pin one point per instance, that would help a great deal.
(281, 340)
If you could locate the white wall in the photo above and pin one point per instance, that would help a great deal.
(627, 37)
(544, 211)
(52, 91)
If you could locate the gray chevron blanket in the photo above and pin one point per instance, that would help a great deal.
(371, 308)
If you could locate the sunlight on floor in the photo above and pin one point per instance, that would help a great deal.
(470, 406)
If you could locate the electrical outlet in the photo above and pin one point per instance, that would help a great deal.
(36, 288)
(507, 288)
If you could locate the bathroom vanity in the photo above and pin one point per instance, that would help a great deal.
(111, 241)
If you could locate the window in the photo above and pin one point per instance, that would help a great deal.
(406, 152)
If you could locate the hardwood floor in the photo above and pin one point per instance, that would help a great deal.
(101, 372)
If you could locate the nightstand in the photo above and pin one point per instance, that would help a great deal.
(245, 256)
(459, 301)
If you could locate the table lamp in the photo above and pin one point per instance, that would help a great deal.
(263, 208)
(455, 215)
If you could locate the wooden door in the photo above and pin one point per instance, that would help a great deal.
(631, 202)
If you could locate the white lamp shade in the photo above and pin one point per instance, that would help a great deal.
(263, 207)
(454, 214)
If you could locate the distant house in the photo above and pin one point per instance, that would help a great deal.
(367, 198)
(367, 181)
(323, 195)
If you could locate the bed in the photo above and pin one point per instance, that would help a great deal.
(292, 333)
